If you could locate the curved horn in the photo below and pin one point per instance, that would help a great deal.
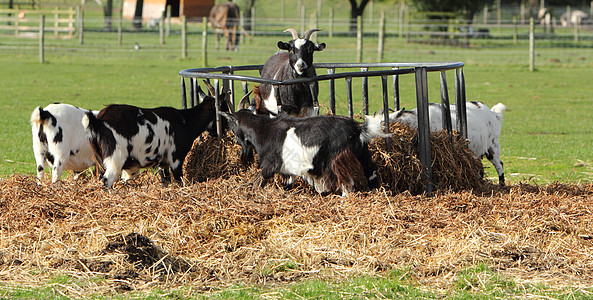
(209, 87)
(309, 32)
(244, 103)
(295, 34)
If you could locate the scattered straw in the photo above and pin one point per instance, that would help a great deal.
(221, 232)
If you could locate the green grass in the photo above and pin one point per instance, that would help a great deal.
(475, 282)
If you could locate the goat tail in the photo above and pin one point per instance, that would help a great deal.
(499, 108)
(372, 128)
(91, 126)
(36, 116)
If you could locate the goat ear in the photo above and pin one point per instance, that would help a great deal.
(201, 93)
(319, 47)
(284, 46)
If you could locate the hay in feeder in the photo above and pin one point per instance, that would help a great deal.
(399, 167)
(211, 158)
(453, 165)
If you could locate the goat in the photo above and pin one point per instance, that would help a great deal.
(329, 152)
(297, 62)
(483, 125)
(125, 137)
(59, 140)
(225, 17)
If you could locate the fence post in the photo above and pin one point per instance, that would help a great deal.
(41, 38)
(359, 39)
(576, 29)
(162, 30)
(56, 21)
(515, 30)
(252, 24)
(183, 37)
(381, 46)
(168, 28)
(204, 42)
(371, 11)
(400, 20)
(485, 14)
(331, 22)
(80, 25)
(282, 8)
(522, 12)
(531, 45)
(302, 18)
(120, 24)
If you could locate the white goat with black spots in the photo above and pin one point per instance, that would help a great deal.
(59, 140)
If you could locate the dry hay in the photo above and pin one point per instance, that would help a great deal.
(227, 231)
(453, 165)
(399, 167)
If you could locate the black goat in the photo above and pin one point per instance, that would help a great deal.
(329, 152)
(297, 62)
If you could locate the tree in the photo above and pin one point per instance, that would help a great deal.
(356, 10)
(467, 8)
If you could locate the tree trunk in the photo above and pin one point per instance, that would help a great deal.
(357, 10)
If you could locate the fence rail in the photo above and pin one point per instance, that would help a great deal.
(227, 74)
(24, 22)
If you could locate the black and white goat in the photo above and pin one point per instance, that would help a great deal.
(59, 140)
(125, 137)
(329, 152)
(483, 128)
(296, 62)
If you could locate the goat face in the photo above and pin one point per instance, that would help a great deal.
(300, 53)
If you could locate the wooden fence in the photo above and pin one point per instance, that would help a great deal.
(26, 22)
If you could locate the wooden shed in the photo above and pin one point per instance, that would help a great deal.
(151, 9)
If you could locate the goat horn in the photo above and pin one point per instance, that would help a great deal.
(295, 34)
(309, 32)
(210, 87)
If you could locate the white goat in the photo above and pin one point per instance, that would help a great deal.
(483, 128)
(59, 140)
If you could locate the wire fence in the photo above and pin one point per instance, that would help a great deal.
(391, 36)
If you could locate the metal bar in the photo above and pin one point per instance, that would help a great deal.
(245, 87)
(396, 92)
(424, 127)
(446, 111)
(365, 92)
(349, 93)
(386, 109)
(183, 96)
(192, 100)
(460, 103)
(217, 109)
(332, 91)
(463, 104)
